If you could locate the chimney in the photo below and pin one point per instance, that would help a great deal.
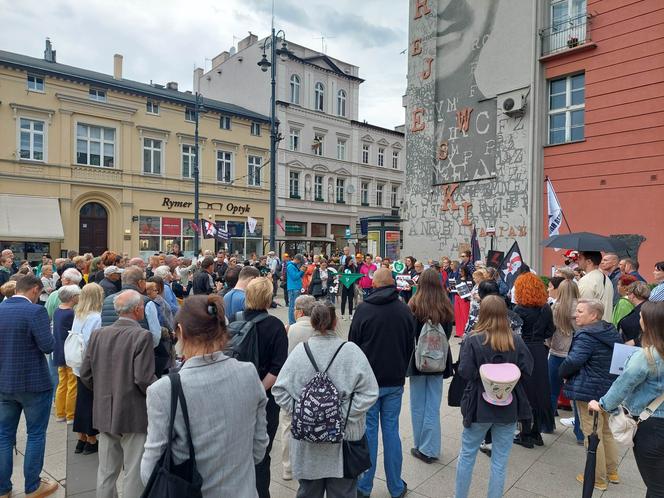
(49, 53)
(220, 59)
(117, 67)
(198, 75)
(247, 42)
(172, 85)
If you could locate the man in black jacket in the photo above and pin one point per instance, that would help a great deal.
(384, 328)
(111, 282)
(203, 280)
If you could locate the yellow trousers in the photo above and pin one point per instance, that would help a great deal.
(607, 451)
(65, 395)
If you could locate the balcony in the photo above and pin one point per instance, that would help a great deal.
(565, 35)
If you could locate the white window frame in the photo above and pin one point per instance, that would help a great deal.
(567, 110)
(294, 184)
(223, 120)
(152, 108)
(380, 190)
(255, 129)
(254, 170)
(381, 156)
(31, 132)
(153, 151)
(102, 142)
(366, 150)
(191, 156)
(318, 188)
(341, 103)
(319, 96)
(294, 139)
(318, 151)
(395, 159)
(32, 83)
(364, 193)
(225, 159)
(340, 191)
(97, 94)
(394, 196)
(190, 114)
(341, 149)
(295, 86)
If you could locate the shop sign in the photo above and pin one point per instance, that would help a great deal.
(171, 226)
(228, 207)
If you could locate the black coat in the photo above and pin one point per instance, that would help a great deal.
(630, 326)
(202, 283)
(110, 287)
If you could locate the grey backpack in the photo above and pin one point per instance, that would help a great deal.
(317, 415)
(431, 349)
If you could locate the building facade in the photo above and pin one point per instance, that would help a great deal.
(91, 162)
(332, 169)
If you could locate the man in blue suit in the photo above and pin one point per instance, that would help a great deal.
(25, 384)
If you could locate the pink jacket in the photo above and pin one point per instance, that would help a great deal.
(367, 280)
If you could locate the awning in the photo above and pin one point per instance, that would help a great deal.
(28, 218)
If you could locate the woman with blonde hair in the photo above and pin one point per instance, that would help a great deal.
(87, 319)
(493, 342)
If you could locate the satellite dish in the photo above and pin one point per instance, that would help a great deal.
(351, 189)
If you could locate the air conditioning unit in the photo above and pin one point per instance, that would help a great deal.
(513, 104)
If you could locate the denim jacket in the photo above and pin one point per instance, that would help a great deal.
(637, 386)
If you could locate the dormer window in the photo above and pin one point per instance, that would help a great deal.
(98, 95)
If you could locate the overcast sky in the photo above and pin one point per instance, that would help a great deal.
(163, 40)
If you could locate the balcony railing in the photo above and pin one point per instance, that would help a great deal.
(565, 34)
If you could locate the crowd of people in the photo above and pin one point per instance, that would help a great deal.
(121, 346)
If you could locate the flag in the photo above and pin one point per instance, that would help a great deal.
(251, 224)
(222, 233)
(555, 211)
(476, 254)
(511, 265)
(280, 223)
(209, 230)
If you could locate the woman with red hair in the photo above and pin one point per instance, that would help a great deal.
(531, 298)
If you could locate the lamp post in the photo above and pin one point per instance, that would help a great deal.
(198, 108)
(264, 64)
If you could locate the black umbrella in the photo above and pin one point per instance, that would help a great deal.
(586, 241)
(591, 460)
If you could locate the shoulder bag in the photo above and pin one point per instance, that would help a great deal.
(355, 453)
(169, 480)
(623, 425)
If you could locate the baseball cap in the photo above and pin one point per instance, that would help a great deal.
(110, 270)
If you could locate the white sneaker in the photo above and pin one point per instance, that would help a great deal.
(567, 422)
(61, 419)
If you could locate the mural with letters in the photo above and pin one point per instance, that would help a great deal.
(467, 162)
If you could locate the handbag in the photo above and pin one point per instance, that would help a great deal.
(623, 425)
(457, 387)
(355, 453)
(169, 480)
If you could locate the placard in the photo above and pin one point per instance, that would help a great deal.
(463, 289)
(621, 354)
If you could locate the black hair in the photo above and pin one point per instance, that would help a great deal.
(488, 288)
(555, 281)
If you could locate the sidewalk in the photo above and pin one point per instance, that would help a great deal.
(549, 471)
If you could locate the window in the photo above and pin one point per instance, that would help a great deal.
(188, 158)
(318, 144)
(224, 166)
(566, 109)
(365, 153)
(225, 122)
(296, 228)
(341, 103)
(35, 83)
(190, 114)
(379, 195)
(152, 107)
(98, 95)
(394, 196)
(364, 193)
(294, 142)
(159, 234)
(341, 193)
(256, 129)
(319, 229)
(32, 143)
(318, 188)
(395, 159)
(568, 24)
(295, 89)
(381, 156)
(319, 96)
(95, 145)
(152, 156)
(254, 166)
(341, 149)
(294, 184)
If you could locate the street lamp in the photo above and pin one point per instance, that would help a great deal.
(264, 64)
(198, 109)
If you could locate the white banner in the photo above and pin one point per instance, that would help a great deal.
(251, 223)
(555, 211)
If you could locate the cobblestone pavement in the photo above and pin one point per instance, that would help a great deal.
(548, 471)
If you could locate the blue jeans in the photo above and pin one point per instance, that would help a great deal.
(502, 435)
(37, 409)
(292, 296)
(426, 393)
(388, 407)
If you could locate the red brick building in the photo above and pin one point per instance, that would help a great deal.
(604, 66)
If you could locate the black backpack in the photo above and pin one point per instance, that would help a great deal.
(243, 344)
(317, 416)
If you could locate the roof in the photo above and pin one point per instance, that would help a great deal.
(377, 128)
(333, 68)
(55, 69)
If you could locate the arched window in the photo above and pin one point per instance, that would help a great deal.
(341, 103)
(295, 89)
(319, 96)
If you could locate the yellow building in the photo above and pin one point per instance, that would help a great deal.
(91, 162)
